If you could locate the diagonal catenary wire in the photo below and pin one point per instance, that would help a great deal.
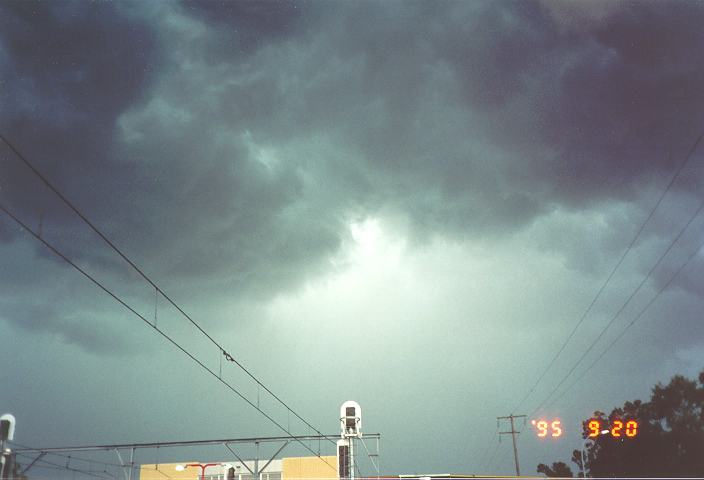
(156, 329)
(75, 209)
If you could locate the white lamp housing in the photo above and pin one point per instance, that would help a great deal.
(351, 419)
(7, 427)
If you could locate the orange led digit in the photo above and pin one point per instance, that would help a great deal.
(542, 428)
(556, 429)
(594, 428)
(631, 428)
(618, 426)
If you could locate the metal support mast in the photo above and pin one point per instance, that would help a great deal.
(351, 439)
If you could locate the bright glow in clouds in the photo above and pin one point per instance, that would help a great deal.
(367, 236)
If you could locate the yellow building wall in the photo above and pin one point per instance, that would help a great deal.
(307, 468)
(168, 470)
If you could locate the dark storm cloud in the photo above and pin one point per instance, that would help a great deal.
(69, 327)
(229, 144)
(41, 297)
(629, 106)
(71, 51)
(484, 116)
(250, 24)
(576, 117)
(67, 72)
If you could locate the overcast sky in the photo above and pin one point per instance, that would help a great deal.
(406, 204)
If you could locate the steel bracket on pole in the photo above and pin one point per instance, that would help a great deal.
(122, 462)
(238, 458)
(38, 457)
(273, 457)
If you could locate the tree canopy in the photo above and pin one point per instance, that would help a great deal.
(669, 441)
(558, 469)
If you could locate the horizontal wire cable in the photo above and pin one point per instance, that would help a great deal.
(69, 469)
(158, 330)
(75, 209)
(63, 467)
(80, 459)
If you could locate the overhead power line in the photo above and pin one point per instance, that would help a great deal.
(156, 329)
(104, 237)
(492, 463)
(629, 325)
(622, 308)
(171, 444)
(630, 246)
(487, 458)
(41, 463)
(24, 449)
(483, 457)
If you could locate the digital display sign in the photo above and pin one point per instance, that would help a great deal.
(545, 428)
(617, 429)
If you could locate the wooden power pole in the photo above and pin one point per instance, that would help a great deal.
(513, 433)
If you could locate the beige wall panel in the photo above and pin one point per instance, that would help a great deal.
(306, 468)
(168, 470)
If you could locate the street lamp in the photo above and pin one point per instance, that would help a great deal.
(584, 445)
(203, 466)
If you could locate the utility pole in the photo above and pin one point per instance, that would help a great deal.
(513, 433)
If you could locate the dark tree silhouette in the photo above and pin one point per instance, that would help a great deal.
(558, 469)
(670, 439)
